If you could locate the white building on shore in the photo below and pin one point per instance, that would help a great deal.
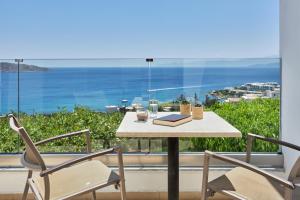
(261, 86)
(273, 93)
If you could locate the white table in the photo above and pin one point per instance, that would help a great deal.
(211, 126)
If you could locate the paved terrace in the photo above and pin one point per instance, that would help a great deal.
(141, 184)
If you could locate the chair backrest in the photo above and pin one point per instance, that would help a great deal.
(31, 158)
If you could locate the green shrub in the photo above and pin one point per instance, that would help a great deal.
(40, 126)
(260, 116)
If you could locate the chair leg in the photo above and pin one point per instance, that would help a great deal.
(288, 194)
(25, 193)
(94, 197)
(121, 173)
(123, 190)
(204, 194)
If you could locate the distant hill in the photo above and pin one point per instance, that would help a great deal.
(13, 67)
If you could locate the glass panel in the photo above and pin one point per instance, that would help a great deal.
(246, 92)
(8, 104)
(60, 96)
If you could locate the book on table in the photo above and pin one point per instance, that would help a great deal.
(172, 120)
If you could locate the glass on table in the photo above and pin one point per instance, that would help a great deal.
(153, 108)
(141, 114)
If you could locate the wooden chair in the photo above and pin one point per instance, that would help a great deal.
(247, 181)
(71, 178)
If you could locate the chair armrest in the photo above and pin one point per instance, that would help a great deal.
(67, 135)
(77, 160)
(250, 167)
(251, 137)
(275, 141)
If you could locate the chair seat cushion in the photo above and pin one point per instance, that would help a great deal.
(245, 184)
(76, 179)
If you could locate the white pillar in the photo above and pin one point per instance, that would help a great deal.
(290, 53)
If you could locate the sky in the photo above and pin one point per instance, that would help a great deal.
(139, 28)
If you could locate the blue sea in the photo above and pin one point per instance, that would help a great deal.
(46, 92)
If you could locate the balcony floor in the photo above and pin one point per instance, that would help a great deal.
(141, 184)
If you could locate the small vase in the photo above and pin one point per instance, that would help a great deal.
(197, 112)
(185, 109)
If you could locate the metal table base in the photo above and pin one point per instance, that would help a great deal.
(173, 168)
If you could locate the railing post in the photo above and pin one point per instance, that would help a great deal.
(18, 96)
(18, 86)
(149, 61)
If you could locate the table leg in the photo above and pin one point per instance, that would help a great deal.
(173, 168)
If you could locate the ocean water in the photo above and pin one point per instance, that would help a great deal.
(46, 92)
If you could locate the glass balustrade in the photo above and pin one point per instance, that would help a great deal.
(52, 97)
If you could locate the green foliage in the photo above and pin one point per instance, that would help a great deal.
(182, 100)
(102, 126)
(9, 140)
(261, 116)
(174, 107)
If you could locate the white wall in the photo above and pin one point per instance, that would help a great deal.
(290, 53)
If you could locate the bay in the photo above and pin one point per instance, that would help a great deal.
(97, 87)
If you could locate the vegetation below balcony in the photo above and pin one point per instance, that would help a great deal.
(261, 116)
